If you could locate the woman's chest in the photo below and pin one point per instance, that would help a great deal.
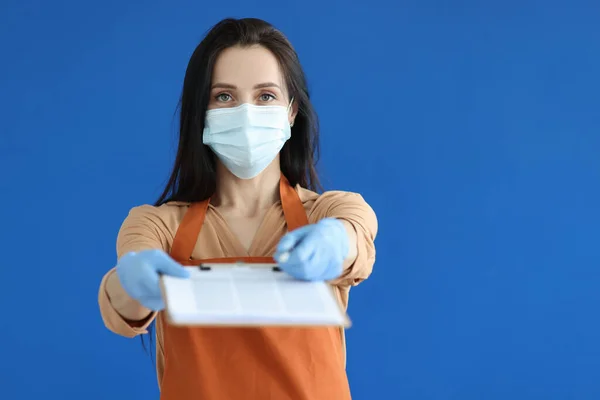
(230, 235)
(244, 229)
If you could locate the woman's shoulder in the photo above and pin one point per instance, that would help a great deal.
(330, 200)
(167, 208)
(167, 215)
(350, 206)
(148, 226)
(329, 196)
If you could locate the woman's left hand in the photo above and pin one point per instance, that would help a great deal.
(314, 252)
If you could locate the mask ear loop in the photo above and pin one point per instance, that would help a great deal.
(288, 110)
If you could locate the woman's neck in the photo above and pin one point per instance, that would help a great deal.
(247, 196)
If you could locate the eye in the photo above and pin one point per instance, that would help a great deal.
(267, 97)
(223, 97)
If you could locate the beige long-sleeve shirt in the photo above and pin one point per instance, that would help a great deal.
(150, 227)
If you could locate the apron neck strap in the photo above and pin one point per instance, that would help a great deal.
(293, 209)
(193, 220)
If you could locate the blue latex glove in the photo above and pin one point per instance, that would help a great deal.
(139, 275)
(314, 252)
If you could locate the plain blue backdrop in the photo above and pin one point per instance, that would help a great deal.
(472, 129)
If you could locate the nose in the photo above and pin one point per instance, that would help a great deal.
(245, 96)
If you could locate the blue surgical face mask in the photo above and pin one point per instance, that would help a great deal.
(247, 138)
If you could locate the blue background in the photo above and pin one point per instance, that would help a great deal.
(473, 130)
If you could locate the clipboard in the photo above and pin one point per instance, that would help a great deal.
(246, 295)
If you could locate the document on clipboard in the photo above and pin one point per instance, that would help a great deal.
(249, 295)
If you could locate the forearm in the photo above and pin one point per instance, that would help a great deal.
(360, 223)
(353, 248)
(128, 308)
(358, 264)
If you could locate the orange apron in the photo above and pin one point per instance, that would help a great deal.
(250, 363)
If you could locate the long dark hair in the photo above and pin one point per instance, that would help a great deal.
(193, 175)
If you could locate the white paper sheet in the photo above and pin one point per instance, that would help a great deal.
(249, 294)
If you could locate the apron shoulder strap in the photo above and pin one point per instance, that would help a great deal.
(293, 209)
(188, 231)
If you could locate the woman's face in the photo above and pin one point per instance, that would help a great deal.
(248, 75)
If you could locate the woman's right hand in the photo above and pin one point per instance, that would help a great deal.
(139, 275)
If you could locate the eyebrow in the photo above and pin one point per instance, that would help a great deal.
(258, 86)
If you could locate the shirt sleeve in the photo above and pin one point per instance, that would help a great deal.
(143, 228)
(351, 207)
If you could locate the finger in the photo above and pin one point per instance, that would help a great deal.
(164, 264)
(291, 239)
(300, 265)
(281, 257)
(150, 284)
(303, 251)
(295, 270)
(293, 267)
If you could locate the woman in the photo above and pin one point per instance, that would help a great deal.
(242, 186)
